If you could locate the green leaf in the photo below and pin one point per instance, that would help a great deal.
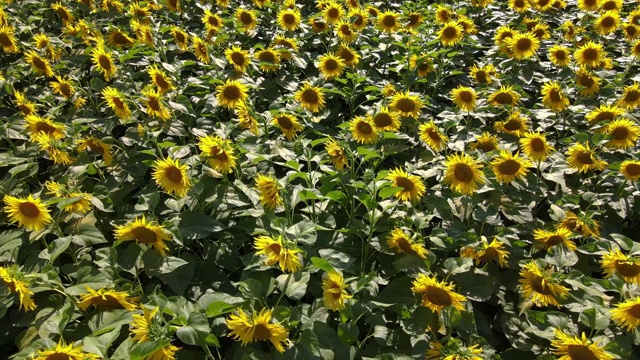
(142, 350)
(595, 318)
(388, 191)
(87, 235)
(196, 225)
(293, 285)
(217, 308)
(173, 271)
(196, 331)
(322, 264)
(55, 248)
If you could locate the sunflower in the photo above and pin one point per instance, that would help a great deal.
(14, 280)
(454, 350)
(624, 133)
(464, 97)
(318, 25)
(345, 31)
(489, 251)
(624, 266)
(519, 6)
(401, 243)
(247, 19)
(588, 5)
(231, 93)
(631, 31)
(269, 59)
(437, 295)
(463, 173)
(553, 98)
(523, 45)
(389, 21)
(174, 5)
(64, 13)
(348, 55)
(412, 187)
(603, 113)
(515, 124)
(171, 176)
(559, 55)
(258, 327)
(310, 97)
(627, 314)
(422, 64)
(62, 351)
(385, 120)
(333, 12)
(107, 299)
(56, 149)
(118, 38)
(289, 19)
(607, 23)
(504, 96)
(38, 64)
(485, 142)
(432, 136)
(81, 205)
(443, 14)
(568, 347)
(103, 61)
(581, 157)
(212, 22)
(269, 189)
(288, 123)
(115, 100)
(388, 90)
(540, 286)
(142, 325)
(630, 169)
(508, 167)
(363, 130)
(159, 79)
(334, 292)
(145, 232)
(635, 49)
(359, 18)
(406, 104)
(583, 224)
(541, 31)
(634, 17)
(451, 33)
(559, 237)
(62, 87)
(37, 125)
(154, 103)
(336, 154)
(7, 40)
(29, 213)
(589, 83)
(41, 40)
(276, 252)
(630, 98)
(136, 10)
(181, 38)
(218, 152)
(26, 107)
(245, 118)
(483, 74)
(535, 146)
(201, 49)
(502, 35)
(590, 54)
(285, 46)
(330, 65)
(467, 25)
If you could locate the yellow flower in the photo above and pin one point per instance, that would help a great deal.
(107, 299)
(165, 353)
(415, 19)
(483, 74)
(508, 167)
(39, 65)
(388, 21)
(238, 58)
(269, 59)
(81, 205)
(7, 40)
(174, 5)
(451, 33)
(289, 19)
(103, 61)
(336, 154)
(422, 64)
(607, 23)
(553, 98)
(515, 124)
(603, 113)
(62, 87)
(589, 54)
(318, 25)
(624, 133)
(504, 96)
(502, 36)
(201, 50)
(115, 100)
(155, 106)
(635, 49)
(540, 286)
(519, 6)
(385, 120)
(330, 65)
(332, 12)
(453, 351)
(231, 93)
(583, 224)
(345, 31)
(489, 251)
(559, 55)
(62, 351)
(614, 5)
(399, 241)
(247, 19)
(558, 237)
(588, 5)
(218, 152)
(118, 38)
(141, 325)
(568, 347)
(12, 279)
(37, 125)
(159, 78)
(288, 124)
(630, 98)
(630, 169)
(334, 292)
(212, 21)
(258, 327)
(437, 295)
(412, 187)
(276, 252)
(485, 142)
(406, 104)
(624, 266)
(627, 314)
(581, 157)
(359, 17)
(171, 176)
(464, 97)
(463, 173)
(589, 83)
(269, 189)
(430, 134)
(535, 146)
(144, 232)
(181, 38)
(26, 107)
(29, 212)
(245, 119)
(467, 25)
(56, 149)
(310, 97)
(363, 130)
(631, 31)
(63, 12)
(523, 45)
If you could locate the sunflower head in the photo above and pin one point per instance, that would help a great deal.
(463, 173)
(171, 176)
(145, 232)
(269, 189)
(437, 295)
(400, 242)
(412, 186)
(334, 291)
(630, 169)
(257, 327)
(310, 97)
(508, 167)
(433, 136)
(406, 104)
(540, 286)
(583, 158)
(28, 212)
(363, 130)
(231, 93)
(574, 347)
(464, 97)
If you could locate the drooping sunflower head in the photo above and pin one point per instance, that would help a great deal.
(414, 19)
(159, 78)
(257, 327)
(437, 295)
(508, 167)
(540, 287)
(171, 176)
(463, 173)
(560, 237)
(218, 152)
(553, 98)
(181, 38)
(334, 291)
(412, 186)
(144, 327)
(401, 243)
(485, 142)
(485, 252)
(337, 154)
(363, 131)
(310, 97)
(269, 189)
(37, 125)
(269, 59)
(627, 314)
(16, 281)
(28, 212)
(318, 25)
(201, 50)
(516, 124)
(348, 55)
(433, 136)
(107, 299)
(116, 101)
(423, 64)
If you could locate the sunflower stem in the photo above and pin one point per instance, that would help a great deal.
(208, 352)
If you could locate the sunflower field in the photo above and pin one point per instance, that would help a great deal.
(329, 179)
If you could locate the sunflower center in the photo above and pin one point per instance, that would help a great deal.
(153, 103)
(5, 40)
(627, 268)
(554, 95)
(450, 32)
(261, 332)
(632, 96)
(406, 105)
(382, 119)
(438, 296)
(276, 248)
(490, 253)
(424, 67)
(58, 356)
(120, 39)
(237, 58)
(37, 62)
(509, 167)
(213, 21)
(118, 102)
(608, 22)
(560, 55)
(162, 83)
(405, 183)
(345, 30)
(414, 19)
(96, 148)
(144, 235)
(63, 14)
(481, 77)
(285, 122)
(104, 62)
(519, 3)
(173, 3)
(620, 133)
(389, 21)
(65, 89)
(25, 109)
(554, 240)
(331, 65)
(289, 19)
(590, 2)
(433, 134)
(267, 57)
(633, 169)
(180, 36)
(404, 245)
(231, 93)
(537, 145)
(346, 55)
(466, 96)
(246, 18)
(513, 125)
(333, 13)
(29, 210)
(580, 352)
(586, 80)
(540, 285)
(631, 30)
(585, 158)
(543, 3)
(173, 174)
(358, 21)
(590, 54)
(364, 128)
(310, 96)
(45, 128)
(463, 173)
(605, 115)
(634, 311)
(504, 98)
(524, 44)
